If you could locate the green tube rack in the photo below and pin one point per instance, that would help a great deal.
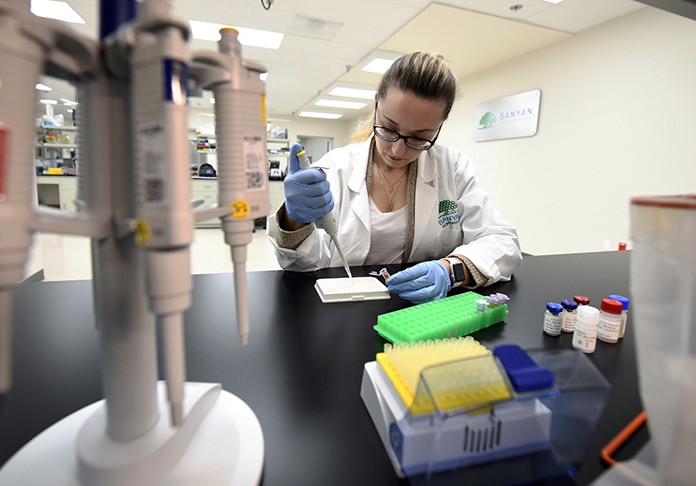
(451, 317)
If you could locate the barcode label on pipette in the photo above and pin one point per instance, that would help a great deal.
(254, 149)
(350, 289)
(151, 163)
(154, 190)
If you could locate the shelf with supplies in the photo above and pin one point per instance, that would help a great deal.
(203, 156)
(206, 143)
(61, 128)
(56, 148)
(277, 150)
(53, 136)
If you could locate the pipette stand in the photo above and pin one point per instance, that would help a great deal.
(219, 442)
(127, 438)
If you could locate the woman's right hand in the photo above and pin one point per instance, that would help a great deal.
(307, 192)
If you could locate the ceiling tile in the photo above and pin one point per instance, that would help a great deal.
(501, 8)
(561, 19)
(369, 13)
(298, 48)
(603, 8)
(469, 43)
(361, 35)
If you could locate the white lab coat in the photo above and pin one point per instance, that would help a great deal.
(475, 229)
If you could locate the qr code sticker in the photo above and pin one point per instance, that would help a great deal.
(254, 161)
(154, 190)
(254, 180)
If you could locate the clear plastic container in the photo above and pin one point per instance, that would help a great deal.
(541, 434)
(663, 291)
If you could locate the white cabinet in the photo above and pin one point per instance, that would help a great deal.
(57, 191)
(206, 190)
(60, 192)
(276, 195)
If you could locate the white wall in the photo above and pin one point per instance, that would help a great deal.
(339, 130)
(617, 119)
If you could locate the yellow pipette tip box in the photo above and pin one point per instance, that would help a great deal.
(461, 374)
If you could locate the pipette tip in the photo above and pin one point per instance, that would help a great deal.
(176, 411)
(244, 338)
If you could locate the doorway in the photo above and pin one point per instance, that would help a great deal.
(316, 147)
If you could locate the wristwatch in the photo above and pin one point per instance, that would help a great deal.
(457, 273)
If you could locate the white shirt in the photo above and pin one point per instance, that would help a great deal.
(454, 215)
(387, 238)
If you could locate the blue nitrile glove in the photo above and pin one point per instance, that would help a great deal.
(421, 283)
(293, 161)
(307, 192)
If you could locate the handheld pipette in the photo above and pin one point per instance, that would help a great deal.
(159, 79)
(240, 126)
(328, 221)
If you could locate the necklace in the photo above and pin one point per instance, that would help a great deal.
(396, 184)
(391, 185)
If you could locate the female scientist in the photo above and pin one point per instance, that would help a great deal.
(399, 197)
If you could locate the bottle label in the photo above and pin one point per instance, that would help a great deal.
(569, 320)
(624, 318)
(4, 158)
(584, 340)
(608, 328)
(552, 324)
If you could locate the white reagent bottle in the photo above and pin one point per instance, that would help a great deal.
(609, 325)
(585, 334)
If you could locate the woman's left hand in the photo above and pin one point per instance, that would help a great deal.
(421, 283)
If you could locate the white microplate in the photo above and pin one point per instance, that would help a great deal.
(354, 289)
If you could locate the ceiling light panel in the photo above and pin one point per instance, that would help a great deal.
(248, 37)
(320, 114)
(379, 61)
(349, 105)
(378, 65)
(55, 10)
(348, 92)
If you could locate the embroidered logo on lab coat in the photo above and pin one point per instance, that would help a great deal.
(447, 213)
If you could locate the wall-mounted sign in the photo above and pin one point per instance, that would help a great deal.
(510, 117)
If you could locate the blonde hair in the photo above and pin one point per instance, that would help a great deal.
(424, 74)
(363, 128)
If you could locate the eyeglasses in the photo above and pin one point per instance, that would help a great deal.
(393, 136)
